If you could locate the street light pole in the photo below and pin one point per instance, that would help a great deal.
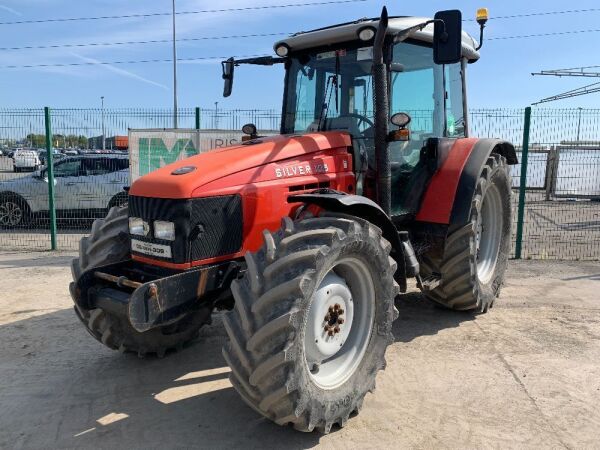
(216, 124)
(174, 72)
(579, 123)
(103, 132)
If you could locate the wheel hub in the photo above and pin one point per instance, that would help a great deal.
(339, 323)
(489, 234)
(10, 213)
(334, 319)
(330, 319)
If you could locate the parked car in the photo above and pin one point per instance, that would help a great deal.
(43, 155)
(85, 186)
(26, 159)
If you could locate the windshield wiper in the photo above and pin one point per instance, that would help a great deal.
(332, 82)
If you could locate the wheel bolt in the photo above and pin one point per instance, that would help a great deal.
(326, 328)
(330, 332)
(341, 320)
(336, 306)
(327, 318)
(331, 309)
(341, 311)
(336, 329)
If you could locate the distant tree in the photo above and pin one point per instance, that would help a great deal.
(82, 141)
(36, 140)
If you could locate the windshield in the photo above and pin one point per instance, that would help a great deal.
(330, 90)
(333, 90)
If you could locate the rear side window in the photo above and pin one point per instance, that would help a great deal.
(101, 166)
(71, 168)
(455, 115)
(115, 164)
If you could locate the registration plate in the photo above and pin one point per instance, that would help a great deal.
(147, 248)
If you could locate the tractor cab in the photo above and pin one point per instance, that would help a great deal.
(330, 86)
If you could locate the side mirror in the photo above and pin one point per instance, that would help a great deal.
(228, 67)
(447, 37)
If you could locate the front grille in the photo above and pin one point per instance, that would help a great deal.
(204, 227)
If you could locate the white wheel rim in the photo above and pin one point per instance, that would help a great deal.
(10, 213)
(335, 347)
(489, 234)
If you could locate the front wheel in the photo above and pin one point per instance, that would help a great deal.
(476, 254)
(312, 319)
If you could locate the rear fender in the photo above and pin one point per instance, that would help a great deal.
(364, 208)
(448, 197)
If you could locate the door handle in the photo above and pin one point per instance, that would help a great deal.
(70, 184)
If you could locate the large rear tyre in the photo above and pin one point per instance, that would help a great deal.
(476, 254)
(109, 243)
(312, 320)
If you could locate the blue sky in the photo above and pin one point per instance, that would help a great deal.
(500, 79)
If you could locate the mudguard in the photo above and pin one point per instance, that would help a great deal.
(359, 206)
(447, 200)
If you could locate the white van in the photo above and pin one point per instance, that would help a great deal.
(26, 159)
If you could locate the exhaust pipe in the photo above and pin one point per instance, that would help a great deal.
(381, 106)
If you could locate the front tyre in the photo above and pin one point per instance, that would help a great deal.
(312, 320)
(109, 243)
(476, 254)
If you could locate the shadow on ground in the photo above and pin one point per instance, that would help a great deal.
(64, 389)
(421, 317)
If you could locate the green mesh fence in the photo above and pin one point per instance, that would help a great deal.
(562, 207)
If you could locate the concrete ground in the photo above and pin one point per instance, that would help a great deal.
(525, 375)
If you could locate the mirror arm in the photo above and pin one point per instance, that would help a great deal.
(260, 61)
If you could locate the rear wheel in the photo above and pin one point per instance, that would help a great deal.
(476, 254)
(312, 319)
(14, 211)
(109, 243)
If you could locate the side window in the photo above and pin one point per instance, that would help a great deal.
(70, 168)
(95, 166)
(455, 118)
(418, 90)
(114, 164)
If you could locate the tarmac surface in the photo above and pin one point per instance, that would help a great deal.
(526, 375)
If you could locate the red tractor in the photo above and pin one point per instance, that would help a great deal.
(308, 237)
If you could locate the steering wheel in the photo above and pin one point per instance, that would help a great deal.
(360, 119)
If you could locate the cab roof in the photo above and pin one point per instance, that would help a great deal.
(348, 31)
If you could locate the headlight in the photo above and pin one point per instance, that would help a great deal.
(164, 230)
(138, 227)
(366, 33)
(282, 50)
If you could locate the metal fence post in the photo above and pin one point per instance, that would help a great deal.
(50, 176)
(523, 183)
(197, 118)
